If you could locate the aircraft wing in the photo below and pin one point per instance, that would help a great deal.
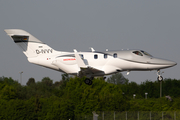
(90, 70)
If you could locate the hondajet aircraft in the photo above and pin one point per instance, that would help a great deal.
(89, 64)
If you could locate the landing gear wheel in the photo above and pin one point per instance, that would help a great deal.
(88, 81)
(160, 78)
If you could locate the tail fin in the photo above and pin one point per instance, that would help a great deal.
(30, 45)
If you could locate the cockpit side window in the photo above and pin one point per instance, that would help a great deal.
(81, 55)
(138, 53)
(145, 53)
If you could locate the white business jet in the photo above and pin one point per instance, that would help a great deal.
(89, 64)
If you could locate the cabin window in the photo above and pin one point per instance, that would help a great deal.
(82, 57)
(138, 53)
(95, 56)
(105, 56)
(115, 55)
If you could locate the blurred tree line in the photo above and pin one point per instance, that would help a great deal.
(71, 97)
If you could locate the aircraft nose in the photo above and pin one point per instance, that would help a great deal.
(165, 63)
(171, 63)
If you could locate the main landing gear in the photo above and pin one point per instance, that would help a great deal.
(88, 81)
(159, 78)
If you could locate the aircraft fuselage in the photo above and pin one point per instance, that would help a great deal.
(108, 61)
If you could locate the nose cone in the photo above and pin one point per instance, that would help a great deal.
(170, 63)
(164, 63)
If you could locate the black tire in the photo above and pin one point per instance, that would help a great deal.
(88, 81)
(160, 78)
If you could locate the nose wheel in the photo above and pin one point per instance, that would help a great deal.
(160, 78)
(159, 73)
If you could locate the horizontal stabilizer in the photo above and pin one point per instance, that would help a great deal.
(19, 35)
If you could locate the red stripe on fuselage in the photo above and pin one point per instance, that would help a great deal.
(69, 59)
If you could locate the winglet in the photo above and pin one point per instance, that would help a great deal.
(80, 61)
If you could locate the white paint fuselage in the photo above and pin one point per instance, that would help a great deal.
(126, 60)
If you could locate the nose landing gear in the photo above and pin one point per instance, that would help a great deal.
(159, 73)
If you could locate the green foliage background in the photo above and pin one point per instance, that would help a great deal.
(71, 97)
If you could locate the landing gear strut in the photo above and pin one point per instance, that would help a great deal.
(159, 78)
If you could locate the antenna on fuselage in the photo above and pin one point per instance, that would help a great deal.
(92, 49)
(75, 50)
(127, 72)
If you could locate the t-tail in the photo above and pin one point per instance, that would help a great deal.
(31, 46)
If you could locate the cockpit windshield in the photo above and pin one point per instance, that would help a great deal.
(141, 53)
(145, 53)
(138, 53)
